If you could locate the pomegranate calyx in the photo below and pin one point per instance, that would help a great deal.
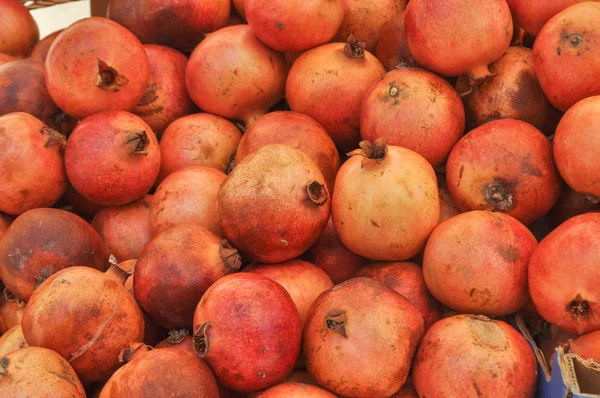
(8, 296)
(375, 151)
(336, 320)
(135, 350)
(592, 198)
(317, 193)
(478, 76)
(138, 140)
(230, 256)
(54, 137)
(108, 79)
(498, 195)
(201, 339)
(354, 48)
(177, 336)
(4, 362)
(116, 272)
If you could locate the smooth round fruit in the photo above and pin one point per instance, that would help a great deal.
(20, 32)
(295, 390)
(12, 340)
(40, 51)
(532, 15)
(392, 50)
(587, 346)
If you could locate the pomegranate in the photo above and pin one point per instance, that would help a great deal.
(166, 98)
(571, 204)
(32, 173)
(298, 131)
(248, 330)
(404, 187)
(11, 310)
(531, 15)
(566, 58)
(5, 222)
(5, 58)
(406, 278)
(576, 147)
(516, 176)
(38, 372)
(415, 109)
(198, 140)
(86, 208)
(12, 340)
(176, 268)
(472, 355)
(279, 191)
(587, 346)
(484, 26)
(161, 373)
(232, 74)
(187, 196)
(549, 337)
(294, 25)
(448, 208)
(392, 50)
(43, 241)
(40, 51)
(120, 151)
(125, 230)
(20, 32)
(179, 24)
(96, 65)
(179, 339)
(295, 390)
(563, 273)
(336, 76)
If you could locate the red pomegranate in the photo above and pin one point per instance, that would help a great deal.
(447, 206)
(298, 131)
(279, 191)
(166, 98)
(12, 340)
(5, 58)
(112, 158)
(415, 109)
(248, 330)
(587, 346)
(563, 275)
(85, 316)
(392, 50)
(571, 204)
(20, 31)
(40, 51)
(295, 390)
(11, 310)
(566, 57)
(96, 65)
(125, 230)
(5, 222)
(179, 24)
(576, 147)
(32, 172)
(294, 25)
(532, 15)
(549, 338)
(352, 327)
(198, 140)
(516, 176)
(484, 26)
(302, 280)
(474, 356)
(336, 76)
(406, 278)
(179, 339)
(43, 241)
(176, 268)
(385, 202)
(232, 74)
(187, 196)
(82, 206)
(38, 372)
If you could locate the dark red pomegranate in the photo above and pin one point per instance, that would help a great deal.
(82, 206)
(32, 172)
(532, 15)
(298, 131)
(232, 74)
(571, 204)
(11, 310)
(179, 339)
(516, 176)
(112, 158)
(563, 275)
(248, 330)
(587, 346)
(472, 355)
(12, 340)
(360, 337)
(20, 31)
(295, 390)
(337, 76)
(279, 191)
(96, 65)
(40, 51)
(5, 58)
(392, 50)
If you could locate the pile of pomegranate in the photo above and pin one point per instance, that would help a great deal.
(301, 198)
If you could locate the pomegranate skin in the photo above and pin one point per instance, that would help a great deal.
(563, 275)
(415, 109)
(82, 206)
(5, 58)
(121, 150)
(284, 185)
(11, 310)
(298, 131)
(295, 390)
(232, 74)
(474, 356)
(86, 76)
(30, 149)
(248, 331)
(504, 165)
(20, 31)
(571, 204)
(532, 15)
(587, 346)
(566, 57)
(447, 207)
(392, 50)
(576, 146)
(482, 24)
(339, 91)
(5, 222)
(178, 339)
(40, 51)
(12, 340)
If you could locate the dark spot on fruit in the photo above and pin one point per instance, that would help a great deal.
(375, 224)
(476, 387)
(526, 84)
(280, 25)
(529, 168)
(508, 253)
(460, 175)
(558, 50)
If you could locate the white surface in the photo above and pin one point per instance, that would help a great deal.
(51, 19)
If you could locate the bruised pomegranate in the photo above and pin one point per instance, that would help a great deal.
(587, 346)
(5, 58)
(96, 65)
(516, 176)
(279, 191)
(12, 340)
(298, 131)
(414, 109)
(474, 356)
(563, 275)
(295, 390)
(11, 310)
(392, 50)
(232, 74)
(112, 158)
(40, 51)
(531, 15)
(20, 32)
(337, 76)
(248, 330)
(179, 339)
(187, 196)
(32, 173)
